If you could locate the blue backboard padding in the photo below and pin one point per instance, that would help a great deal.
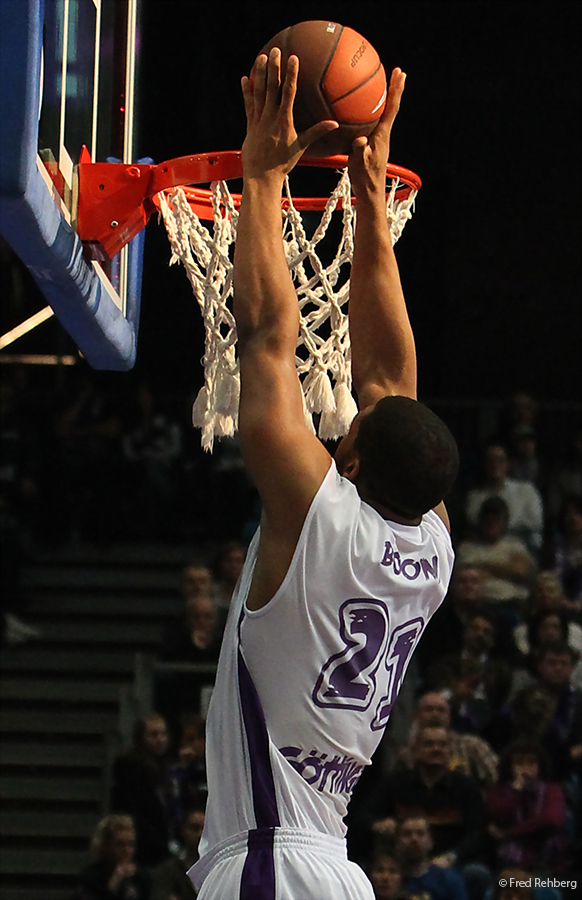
(32, 223)
(53, 253)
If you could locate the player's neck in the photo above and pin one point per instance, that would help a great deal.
(390, 514)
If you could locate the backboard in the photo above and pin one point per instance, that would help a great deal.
(67, 81)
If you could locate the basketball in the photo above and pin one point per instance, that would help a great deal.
(340, 77)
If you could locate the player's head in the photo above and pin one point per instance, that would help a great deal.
(407, 457)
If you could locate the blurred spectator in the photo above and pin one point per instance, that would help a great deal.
(548, 711)
(566, 552)
(563, 738)
(386, 878)
(451, 802)
(477, 682)
(548, 594)
(115, 874)
(188, 774)
(91, 471)
(527, 813)
(468, 753)
(525, 464)
(420, 876)
(196, 580)
(231, 490)
(141, 788)
(197, 634)
(523, 500)
(193, 638)
(565, 480)
(507, 566)
(520, 414)
(152, 448)
(527, 714)
(444, 632)
(227, 571)
(170, 881)
(549, 626)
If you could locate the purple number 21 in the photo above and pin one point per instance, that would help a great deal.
(349, 678)
(402, 642)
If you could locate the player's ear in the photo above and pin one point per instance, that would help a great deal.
(352, 468)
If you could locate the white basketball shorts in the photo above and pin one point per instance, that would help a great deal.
(285, 864)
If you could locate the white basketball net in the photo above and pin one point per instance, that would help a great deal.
(323, 347)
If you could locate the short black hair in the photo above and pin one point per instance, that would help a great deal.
(494, 506)
(408, 457)
(534, 625)
(402, 820)
(524, 747)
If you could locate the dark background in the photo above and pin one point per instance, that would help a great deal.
(490, 120)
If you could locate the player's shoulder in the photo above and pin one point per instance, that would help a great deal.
(337, 498)
(434, 525)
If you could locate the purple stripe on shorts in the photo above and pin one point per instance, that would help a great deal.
(263, 785)
(258, 875)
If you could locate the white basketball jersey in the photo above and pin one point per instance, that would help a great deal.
(305, 685)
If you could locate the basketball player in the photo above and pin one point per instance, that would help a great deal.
(350, 561)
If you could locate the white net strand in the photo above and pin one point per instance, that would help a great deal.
(323, 356)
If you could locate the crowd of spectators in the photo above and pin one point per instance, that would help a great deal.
(486, 779)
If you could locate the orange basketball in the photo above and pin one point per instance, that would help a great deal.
(340, 77)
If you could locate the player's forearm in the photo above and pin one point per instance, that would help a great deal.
(265, 303)
(383, 350)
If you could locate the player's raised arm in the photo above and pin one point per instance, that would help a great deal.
(383, 351)
(286, 461)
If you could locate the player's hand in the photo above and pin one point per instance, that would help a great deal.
(272, 146)
(369, 155)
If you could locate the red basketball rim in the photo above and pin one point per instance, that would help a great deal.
(189, 171)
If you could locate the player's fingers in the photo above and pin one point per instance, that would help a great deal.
(395, 90)
(357, 150)
(273, 78)
(259, 78)
(247, 97)
(315, 132)
(290, 85)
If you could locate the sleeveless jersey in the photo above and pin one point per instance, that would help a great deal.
(305, 685)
